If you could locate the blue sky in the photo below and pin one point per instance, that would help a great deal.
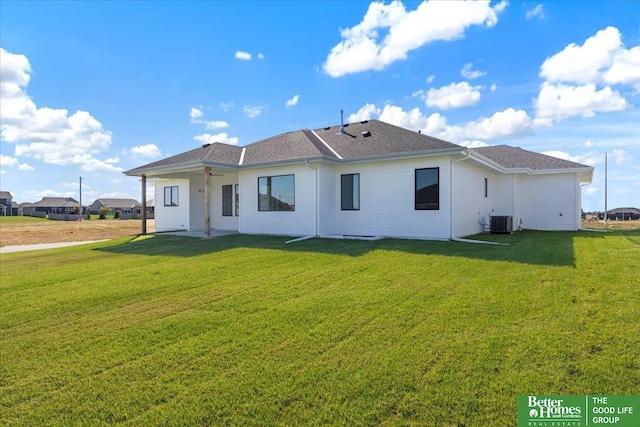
(95, 88)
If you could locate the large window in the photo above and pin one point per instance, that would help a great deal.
(350, 192)
(276, 193)
(227, 200)
(428, 189)
(171, 196)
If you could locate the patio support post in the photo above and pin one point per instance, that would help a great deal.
(207, 218)
(144, 204)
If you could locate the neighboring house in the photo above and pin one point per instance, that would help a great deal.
(624, 214)
(15, 209)
(60, 205)
(363, 179)
(126, 206)
(6, 200)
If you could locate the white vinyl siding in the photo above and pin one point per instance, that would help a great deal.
(470, 206)
(300, 222)
(387, 201)
(548, 202)
(169, 218)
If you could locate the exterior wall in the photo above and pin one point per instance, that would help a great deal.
(172, 217)
(471, 208)
(196, 201)
(387, 201)
(300, 222)
(218, 221)
(8, 211)
(548, 202)
(329, 205)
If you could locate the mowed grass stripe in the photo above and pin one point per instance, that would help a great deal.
(248, 331)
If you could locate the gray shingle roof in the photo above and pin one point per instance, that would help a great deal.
(118, 203)
(299, 144)
(517, 158)
(216, 152)
(360, 140)
(383, 139)
(56, 202)
(5, 195)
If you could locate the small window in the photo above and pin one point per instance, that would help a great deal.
(227, 200)
(276, 193)
(237, 199)
(427, 186)
(350, 192)
(171, 196)
(486, 187)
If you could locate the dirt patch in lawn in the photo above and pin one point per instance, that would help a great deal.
(49, 231)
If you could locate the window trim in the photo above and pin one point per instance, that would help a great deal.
(415, 190)
(227, 203)
(342, 188)
(237, 200)
(269, 178)
(171, 189)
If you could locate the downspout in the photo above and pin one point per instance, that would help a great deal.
(467, 154)
(307, 164)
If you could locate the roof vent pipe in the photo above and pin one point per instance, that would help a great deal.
(341, 121)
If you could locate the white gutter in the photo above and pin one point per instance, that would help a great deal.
(335, 153)
(467, 153)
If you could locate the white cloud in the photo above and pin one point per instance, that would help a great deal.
(588, 143)
(25, 167)
(149, 150)
(252, 111)
(493, 87)
(536, 12)
(454, 95)
(226, 106)
(6, 161)
(195, 113)
(361, 48)
(293, 101)
(215, 124)
(621, 157)
(473, 144)
(431, 78)
(470, 74)
(245, 56)
(36, 195)
(260, 56)
(625, 68)
(592, 190)
(502, 124)
(48, 134)
(583, 64)
(559, 101)
(224, 138)
(591, 158)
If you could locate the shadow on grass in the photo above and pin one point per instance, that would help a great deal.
(527, 247)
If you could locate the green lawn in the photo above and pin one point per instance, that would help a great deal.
(247, 330)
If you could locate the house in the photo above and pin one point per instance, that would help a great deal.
(59, 205)
(126, 206)
(362, 179)
(6, 200)
(624, 214)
